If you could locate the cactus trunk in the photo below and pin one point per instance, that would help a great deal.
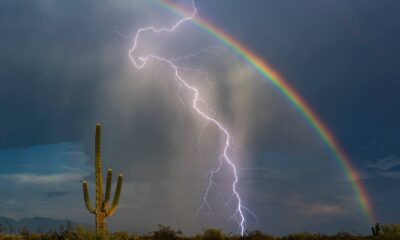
(100, 223)
(102, 209)
(100, 219)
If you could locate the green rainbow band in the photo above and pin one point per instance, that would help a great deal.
(270, 74)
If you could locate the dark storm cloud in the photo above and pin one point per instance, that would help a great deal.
(53, 59)
(64, 66)
(341, 56)
(35, 71)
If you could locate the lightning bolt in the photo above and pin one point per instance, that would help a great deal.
(140, 61)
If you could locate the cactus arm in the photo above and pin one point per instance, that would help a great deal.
(86, 198)
(108, 189)
(99, 179)
(113, 207)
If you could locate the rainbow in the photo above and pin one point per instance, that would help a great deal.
(283, 87)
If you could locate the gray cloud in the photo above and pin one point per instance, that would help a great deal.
(56, 194)
(46, 179)
(386, 163)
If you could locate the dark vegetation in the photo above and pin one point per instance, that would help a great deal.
(391, 232)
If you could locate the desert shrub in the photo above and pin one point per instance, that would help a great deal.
(213, 234)
(166, 233)
(122, 236)
(10, 237)
(391, 230)
(24, 233)
(305, 236)
(257, 235)
(84, 234)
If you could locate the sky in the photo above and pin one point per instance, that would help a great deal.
(64, 66)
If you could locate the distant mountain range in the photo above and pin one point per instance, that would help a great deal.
(37, 224)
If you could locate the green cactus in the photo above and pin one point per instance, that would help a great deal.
(102, 209)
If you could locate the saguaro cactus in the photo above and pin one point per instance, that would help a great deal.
(102, 209)
(376, 230)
